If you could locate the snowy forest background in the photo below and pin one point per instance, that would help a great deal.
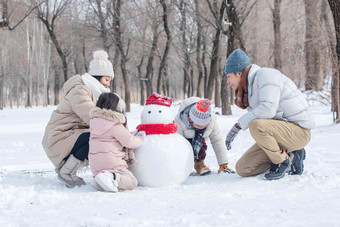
(175, 47)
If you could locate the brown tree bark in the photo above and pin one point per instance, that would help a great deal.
(218, 14)
(200, 82)
(314, 81)
(48, 17)
(167, 47)
(235, 41)
(187, 85)
(4, 19)
(277, 34)
(149, 67)
(141, 81)
(103, 29)
(57, 86)
(123, 53)
(335, 7)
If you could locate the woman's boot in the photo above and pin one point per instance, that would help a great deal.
(68, 172)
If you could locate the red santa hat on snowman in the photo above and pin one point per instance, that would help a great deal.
(157, 99)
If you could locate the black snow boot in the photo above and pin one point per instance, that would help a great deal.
(297, 161)
(277, 171)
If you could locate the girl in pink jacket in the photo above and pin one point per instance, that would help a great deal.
(111, 144)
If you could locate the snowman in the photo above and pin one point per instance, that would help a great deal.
(166, 157)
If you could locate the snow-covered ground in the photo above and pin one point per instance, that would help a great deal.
(31, 195)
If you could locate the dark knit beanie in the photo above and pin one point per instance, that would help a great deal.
(236, 62)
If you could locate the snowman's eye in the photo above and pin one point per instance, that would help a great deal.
(160, 111)
(149, 112)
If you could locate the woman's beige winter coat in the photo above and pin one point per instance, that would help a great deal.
(68, 121)
(212, 132)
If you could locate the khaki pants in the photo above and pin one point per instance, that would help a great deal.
(126, 180)
(273, 138)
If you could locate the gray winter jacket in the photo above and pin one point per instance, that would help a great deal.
(273, 95)
(212, 132)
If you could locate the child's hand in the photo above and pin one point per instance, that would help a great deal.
(130, 157)
(224, 168)
(134, 132)
(141, 134)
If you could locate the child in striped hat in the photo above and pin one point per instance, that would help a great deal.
(197, 123)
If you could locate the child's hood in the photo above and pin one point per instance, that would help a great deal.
(98, 125)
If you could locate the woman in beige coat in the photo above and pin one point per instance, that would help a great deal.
(66, 138)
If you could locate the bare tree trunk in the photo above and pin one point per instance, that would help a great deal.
(234, 42)
(167, 46)
(3, 72)
(200, 85)
(39, 59)
(44, 14)
(122, 52)
(216, 45)
(46, 70)
(335, 7)
(2, 75)
(312, 49)
(277, 34)
(166, 84)
(18, 92)
(186, 58)
(149, 67)
(218, 84)
(57, 86)
(4, 19)
(10, 93)
(332, 52)
(83, 53)
(103, 30)
(141, 81)
(28, 69)
(115, 68)
(205, 67)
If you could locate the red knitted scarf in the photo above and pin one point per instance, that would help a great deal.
(151, 129)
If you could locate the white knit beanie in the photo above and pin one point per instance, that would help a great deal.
(101, 65)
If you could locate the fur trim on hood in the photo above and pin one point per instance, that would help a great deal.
(110, 115)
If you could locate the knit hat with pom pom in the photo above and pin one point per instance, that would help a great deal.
(101, 65)
(200, 113)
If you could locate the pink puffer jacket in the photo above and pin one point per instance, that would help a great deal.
(108, 136)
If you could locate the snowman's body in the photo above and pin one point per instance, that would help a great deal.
(165, 158)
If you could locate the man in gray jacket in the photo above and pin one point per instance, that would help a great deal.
(278, 118)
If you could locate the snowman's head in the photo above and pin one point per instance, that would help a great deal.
(156, 114)
(157, 110)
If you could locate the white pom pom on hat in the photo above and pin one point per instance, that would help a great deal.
(101, 65)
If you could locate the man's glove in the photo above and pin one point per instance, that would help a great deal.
(224, 168)
(231, 135)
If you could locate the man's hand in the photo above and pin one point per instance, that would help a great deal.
(231, 135)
